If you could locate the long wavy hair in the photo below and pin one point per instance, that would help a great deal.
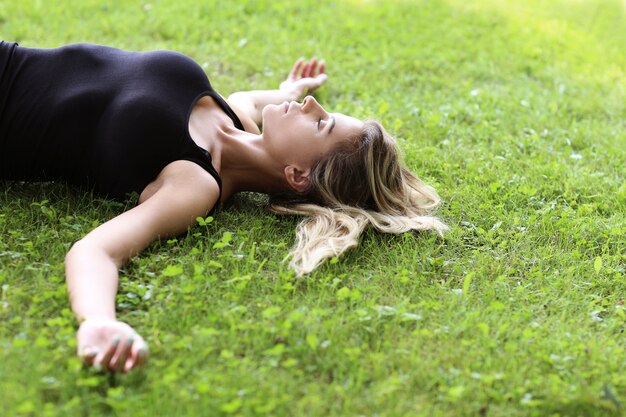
(362, 182)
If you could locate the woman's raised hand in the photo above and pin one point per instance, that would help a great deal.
(111, 345)
(305, 76)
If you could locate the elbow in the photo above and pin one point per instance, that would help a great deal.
(85, 251)
(74, 251)
(234, 95)
(239, 99)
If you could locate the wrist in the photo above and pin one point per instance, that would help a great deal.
(86, 314)
(291, 93)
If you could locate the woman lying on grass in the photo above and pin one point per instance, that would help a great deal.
(150, 122)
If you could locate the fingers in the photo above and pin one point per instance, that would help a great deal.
(130, 353)
(310, 69)
(110, 345)
(143, 355)
(138, 356)
(297, 67)
(306, 69)
(122, 355)
(123, 352)
(88, 354)
(103, 359)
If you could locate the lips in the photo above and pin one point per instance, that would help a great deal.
(286, 106)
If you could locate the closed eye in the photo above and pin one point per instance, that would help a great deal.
(331, 121)
(332, 124)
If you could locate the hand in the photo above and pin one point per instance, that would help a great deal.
(111, 345)
(305, 77)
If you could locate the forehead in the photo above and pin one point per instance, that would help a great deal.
(347, 125)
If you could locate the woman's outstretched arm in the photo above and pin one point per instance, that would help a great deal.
(304, 77)
(184, 192)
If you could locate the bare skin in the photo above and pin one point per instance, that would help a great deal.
(249, 160)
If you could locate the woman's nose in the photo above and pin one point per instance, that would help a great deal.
(309, 103)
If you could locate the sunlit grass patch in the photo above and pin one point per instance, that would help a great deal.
(513, 110)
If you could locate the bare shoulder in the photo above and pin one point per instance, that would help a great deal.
(184, 177)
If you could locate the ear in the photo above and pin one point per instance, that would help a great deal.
(296, 178)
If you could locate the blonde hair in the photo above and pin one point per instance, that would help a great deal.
(360, 183)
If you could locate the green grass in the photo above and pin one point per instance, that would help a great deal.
(515, 111)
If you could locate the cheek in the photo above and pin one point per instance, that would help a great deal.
(309, 152)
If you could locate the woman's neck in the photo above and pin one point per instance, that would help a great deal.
(245, 164)
(240, 157)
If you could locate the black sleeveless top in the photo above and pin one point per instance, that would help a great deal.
(97, 116)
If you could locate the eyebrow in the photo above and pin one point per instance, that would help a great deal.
(332, 124)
